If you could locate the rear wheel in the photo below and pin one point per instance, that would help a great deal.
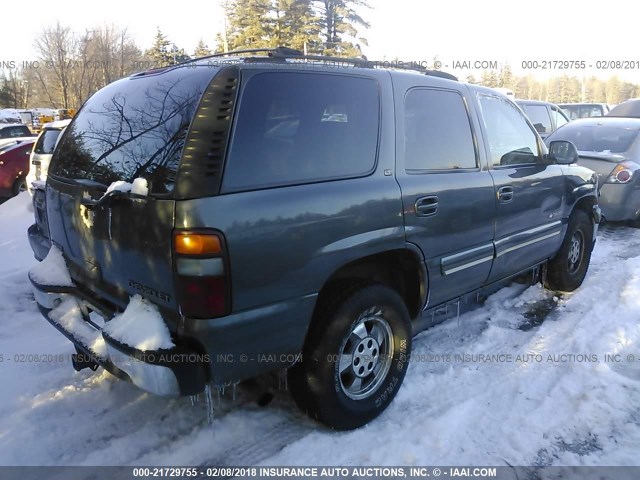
(566, 271)
(355, 358)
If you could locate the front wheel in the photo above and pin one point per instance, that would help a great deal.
(355, 358)
(20, 185)
(566, 271)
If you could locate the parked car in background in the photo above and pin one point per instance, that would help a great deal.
(308, 220)
(14, 163)
(610, 146)
(546, 117)
(584, 110)
(12, 131)
(42, 152)
(630, 108)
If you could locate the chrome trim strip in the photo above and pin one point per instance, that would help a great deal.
(527, 243)
(468, 265)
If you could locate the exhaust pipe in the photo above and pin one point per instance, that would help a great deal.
(80, 361)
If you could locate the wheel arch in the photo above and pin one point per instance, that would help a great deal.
(402, 270)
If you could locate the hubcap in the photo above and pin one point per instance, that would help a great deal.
(366, 356)
(575, 252)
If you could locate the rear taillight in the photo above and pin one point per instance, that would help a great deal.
(623, 173)
(202, 279)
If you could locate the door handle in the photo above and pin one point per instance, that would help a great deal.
(505, 194)
(427, 206)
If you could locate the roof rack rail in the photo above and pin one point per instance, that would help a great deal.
(284, 53)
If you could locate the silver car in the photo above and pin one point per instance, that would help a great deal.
(610, 146)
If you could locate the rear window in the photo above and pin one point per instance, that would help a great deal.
(594, 138)
(12, 132)
(300, 127)
(46, 142)
(583, 111)
(133, 128)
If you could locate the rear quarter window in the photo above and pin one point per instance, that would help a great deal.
(298, 127)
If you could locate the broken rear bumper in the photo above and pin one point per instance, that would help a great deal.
(173, 372)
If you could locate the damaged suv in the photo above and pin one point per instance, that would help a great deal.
(217, 220)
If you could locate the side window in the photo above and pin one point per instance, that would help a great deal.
(511, 140)
(539, 117)
(558, 117)
(437, 131)
(301, 127)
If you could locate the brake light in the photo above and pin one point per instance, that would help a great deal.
(623, 173)
(202, 280)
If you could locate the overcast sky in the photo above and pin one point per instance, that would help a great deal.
(493, 30)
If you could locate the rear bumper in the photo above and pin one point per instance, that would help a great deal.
(620, 202)
(168, 373)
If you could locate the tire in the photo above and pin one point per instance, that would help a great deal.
(19, 185)
(368, 327)
(566, 271)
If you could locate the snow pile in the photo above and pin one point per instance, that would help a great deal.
(69, 316)
(52, 270)
(138, 187)
(140, 326)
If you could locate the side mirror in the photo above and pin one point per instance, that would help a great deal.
(563, 153)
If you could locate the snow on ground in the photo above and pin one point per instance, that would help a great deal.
(521, 380)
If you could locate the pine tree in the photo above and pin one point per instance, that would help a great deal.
(297, 25)
(489, 78)
(202, 50)
(250, 24)
(177, 55)
(339, 21)
(505, 79)
(159, 53)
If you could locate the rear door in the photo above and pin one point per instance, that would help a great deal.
(529, 193)
(447, 192)
(133, 128)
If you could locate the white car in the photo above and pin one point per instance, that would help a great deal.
(43, 151)
(10, 132)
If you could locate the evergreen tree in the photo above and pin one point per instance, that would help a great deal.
(159, 53)
(250, 24)
(177, 55)
(297, 25)
(202, 50)
(338, 22)
(505, 79)
(489, 78)
(5, 92)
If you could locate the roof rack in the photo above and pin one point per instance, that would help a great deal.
(284, 53)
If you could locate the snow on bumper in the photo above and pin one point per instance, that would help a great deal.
(164, 372)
